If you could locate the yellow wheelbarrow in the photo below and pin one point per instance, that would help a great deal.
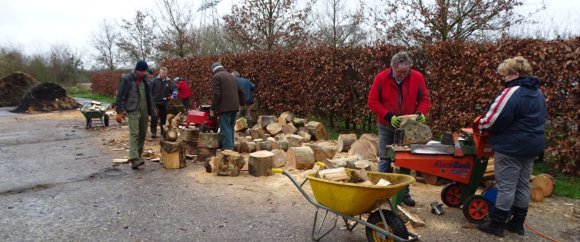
(350, 201)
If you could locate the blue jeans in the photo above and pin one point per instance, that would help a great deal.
(386, 137)
(227, 122)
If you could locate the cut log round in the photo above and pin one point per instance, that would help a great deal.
(274, 128)
(344, 142)
(258, 133)
(230, 164)
(260, 163)
(537, 194)
(289, 129)
(373, 138)
(279, 158)
(545, 182)
(299, 122)
(283, 144)
(364, 148)
(317, 130)
(294, 140)
(204, 154)
(301, 158)
(209, 140)
(241, 125)
(189, 134)
(247, 146)
(306, 137)
(173, 155)
(323, 150)
(266, 145)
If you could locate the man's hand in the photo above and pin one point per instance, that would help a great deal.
(395, 121)
(421, 118)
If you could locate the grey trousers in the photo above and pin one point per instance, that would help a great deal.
(512, 176)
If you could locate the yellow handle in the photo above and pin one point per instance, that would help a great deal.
(322, 165)
(277, 170)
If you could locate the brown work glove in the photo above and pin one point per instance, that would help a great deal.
(119, 118)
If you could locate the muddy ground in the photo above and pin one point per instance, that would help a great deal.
(57, 183)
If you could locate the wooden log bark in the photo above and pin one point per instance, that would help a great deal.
(260, 163)
(189, 134)
(289, 129)
(230, 164)
(344, 141)
(294, 140)
(301, 158)
(415, 132)
(317, 130)
(279, 158)
(247, 146)
(299, 122)
(209, 140)
(204, 154)
(274, 128)
(266, 145)
(258, 133)
(364, 148)
(323, 150)
(241, 125)
(191, 148)
(172, 155)
(537, 194)
(264, 120)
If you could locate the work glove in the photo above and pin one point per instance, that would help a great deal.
(421, 118)
(395, 121)
(119, 118)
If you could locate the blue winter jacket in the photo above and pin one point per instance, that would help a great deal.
(248, 87)
(516, 119)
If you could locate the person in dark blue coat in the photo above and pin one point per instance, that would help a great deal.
(248, 87)
(515, 123)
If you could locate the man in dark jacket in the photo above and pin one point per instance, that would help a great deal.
(515, 123)
(248, 87)
(133, 99)
(396, 91)
(161, 89)
(227, 97)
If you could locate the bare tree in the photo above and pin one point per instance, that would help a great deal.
(177, 37)
(104, 40)
(338, 25)
(417, 21)
(138, 38)
(268, 24)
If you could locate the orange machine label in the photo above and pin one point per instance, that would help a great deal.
(457, 169)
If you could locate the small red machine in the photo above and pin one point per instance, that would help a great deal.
(202, 119)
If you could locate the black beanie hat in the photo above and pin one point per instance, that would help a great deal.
(141, 66)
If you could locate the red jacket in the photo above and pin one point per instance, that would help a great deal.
(384, 96)
(183, 89)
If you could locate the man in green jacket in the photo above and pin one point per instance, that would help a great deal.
(134, 100)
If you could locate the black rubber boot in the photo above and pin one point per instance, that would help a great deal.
(497, 224)
(516, 224)
(136, 163)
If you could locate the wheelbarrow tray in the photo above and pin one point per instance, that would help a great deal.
(354, 199)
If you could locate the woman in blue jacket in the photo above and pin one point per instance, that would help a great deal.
(515, 123)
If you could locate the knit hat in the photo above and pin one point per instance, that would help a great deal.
(216, 66)
(141, 66)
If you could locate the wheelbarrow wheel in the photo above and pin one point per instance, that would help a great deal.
(106, 120)
(476, 208)
(89, 123)
(451, 195)
(394, 226)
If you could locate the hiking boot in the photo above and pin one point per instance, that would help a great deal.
(154, 135)
(136, 163)
(407, 200)
(497, 223)
(516, 223)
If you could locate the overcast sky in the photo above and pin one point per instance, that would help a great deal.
(35, 25)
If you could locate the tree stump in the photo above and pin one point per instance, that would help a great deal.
(209, 140)
(289, 129)
(274, 128)
(279, 158)
(317, 130)
(301, 158)
(230, 164)
(172, 155)
(260, 163)
(344, 142)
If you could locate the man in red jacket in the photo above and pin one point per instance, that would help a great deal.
(398, 90)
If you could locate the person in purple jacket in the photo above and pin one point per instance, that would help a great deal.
(515, 123)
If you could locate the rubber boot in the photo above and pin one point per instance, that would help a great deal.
(497, 223)
(516, 224)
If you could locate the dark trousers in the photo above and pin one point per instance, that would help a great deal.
(227, 122)
(161, 117)
(386, 137)
(185, 102)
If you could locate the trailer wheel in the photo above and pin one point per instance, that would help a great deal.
(106, 120)
(476, 208)
(394, 226)
(451, 195)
